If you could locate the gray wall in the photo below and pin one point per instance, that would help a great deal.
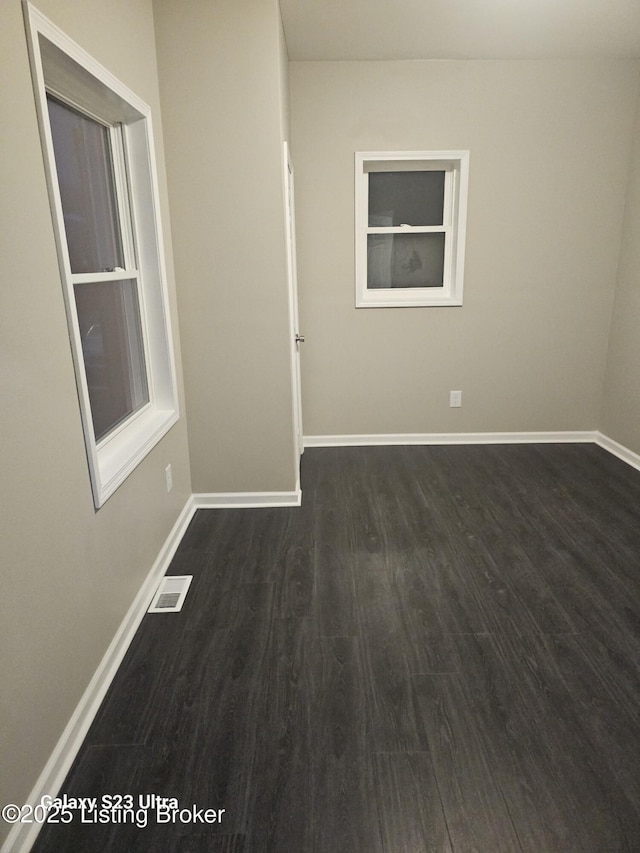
(620, 418)
(69, 573)
(550, 143)
(224, 113)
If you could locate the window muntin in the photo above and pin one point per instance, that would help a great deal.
(114, 282)
(410, 226)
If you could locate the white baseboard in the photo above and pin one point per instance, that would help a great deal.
(449, 438)
(22, 836)
(246, 500)
(619, 450)
(589, 437)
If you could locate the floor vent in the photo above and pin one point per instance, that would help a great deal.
(171, 594)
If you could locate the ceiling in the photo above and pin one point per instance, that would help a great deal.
(461, 29)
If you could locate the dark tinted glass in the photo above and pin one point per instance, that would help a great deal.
(109, 319)
(405, 198)
(405, 260)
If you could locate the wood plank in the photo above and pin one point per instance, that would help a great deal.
(466, 759)
(410, 811)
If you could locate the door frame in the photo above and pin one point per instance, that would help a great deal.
(294, 326)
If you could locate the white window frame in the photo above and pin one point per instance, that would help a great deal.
(455, 165)
(62, 68)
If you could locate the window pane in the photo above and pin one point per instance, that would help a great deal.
(85, 177)
(405, 198)
(405, 260)
(109, 318)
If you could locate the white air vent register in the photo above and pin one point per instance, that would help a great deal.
(171, 594)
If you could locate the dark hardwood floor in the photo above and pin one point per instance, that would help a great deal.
(439, 651)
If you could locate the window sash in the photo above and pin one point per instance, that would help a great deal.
(121, 180)
(87, 186)
(447, 208)
(408, 198)
(400, 258)
(113, 350)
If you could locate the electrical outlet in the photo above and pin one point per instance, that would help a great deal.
(455, 399)
(169, 477)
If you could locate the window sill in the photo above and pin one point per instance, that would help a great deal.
(120, 455)
(405, 298)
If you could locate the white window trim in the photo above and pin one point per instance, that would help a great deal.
(62, 67)
(456, 166)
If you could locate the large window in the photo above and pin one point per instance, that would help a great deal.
(410, 226)
(105, 284)
(98, 150)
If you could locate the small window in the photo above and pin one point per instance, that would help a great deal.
(410, 224)
(97, 144)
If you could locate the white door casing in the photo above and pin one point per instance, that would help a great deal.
(294, 330)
